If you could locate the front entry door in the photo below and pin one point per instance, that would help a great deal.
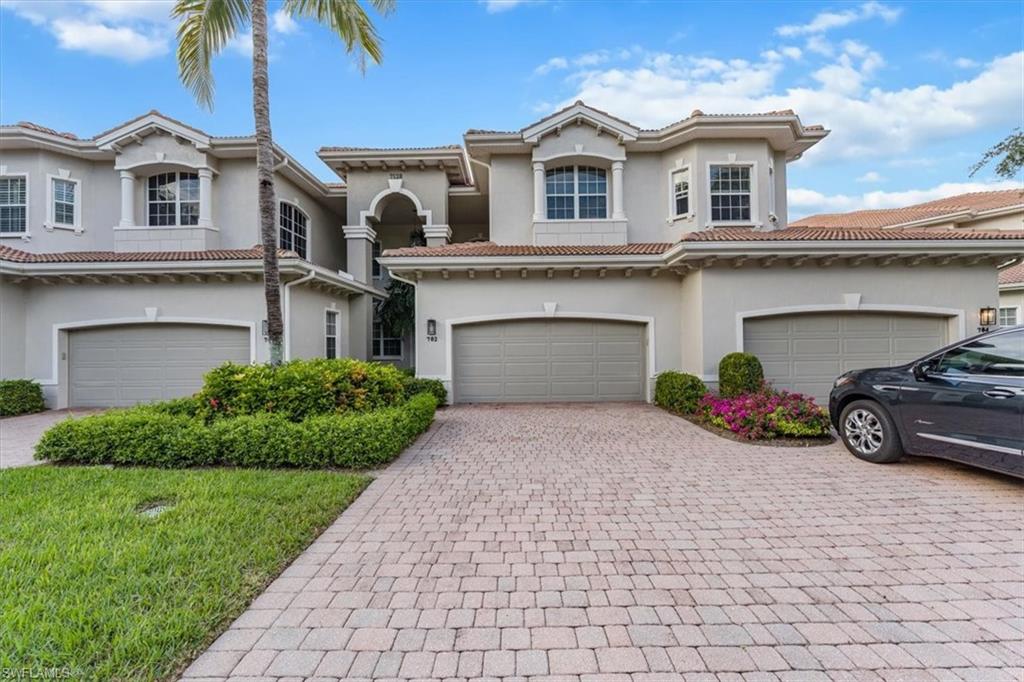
(970, 405)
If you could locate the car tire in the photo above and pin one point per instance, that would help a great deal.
(869, 433)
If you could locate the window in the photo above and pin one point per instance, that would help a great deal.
(385, 346)
(1008, 316)
(64, 192)
(331, 334)
(730, 194)
(173, 199)
(681, 192)
(999, 355)
(375, 255)
(293, 229)
(576, 192)
(13, 205)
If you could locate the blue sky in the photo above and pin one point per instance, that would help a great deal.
(914, 92)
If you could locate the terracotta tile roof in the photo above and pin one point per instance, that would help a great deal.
(151, 112)
(741, 234)
(17, 256)
(491, 249)
(43, 129)
(1012, 275)
(886, 217)
(442, 147)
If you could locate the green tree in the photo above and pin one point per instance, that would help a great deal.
(205, 27)
(1011, 149)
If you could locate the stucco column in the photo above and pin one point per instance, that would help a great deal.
(359, 244)
(127, 199)
(538, 190)
(618, 210)
(437, 235)
(205, 197)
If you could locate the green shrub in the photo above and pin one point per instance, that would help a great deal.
(678, 392)
(739, 373)
(300, 388)
(20, 396)
(432, 386)
(180, 407)
(139, 436)
(145, 436)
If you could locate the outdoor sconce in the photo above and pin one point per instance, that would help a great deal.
(431, 327)
(986, 319)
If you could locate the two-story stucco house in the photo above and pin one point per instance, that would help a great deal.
(574, 259)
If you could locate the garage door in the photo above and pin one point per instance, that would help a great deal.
(124, 365)
(805, 353)
(548, 360)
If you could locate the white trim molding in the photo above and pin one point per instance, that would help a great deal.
(958, 315)
(755, 220)
(371, 212)
(650, 369)
(51, 212)
(691, 204)
(26, 235)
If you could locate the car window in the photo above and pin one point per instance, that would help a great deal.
(999, 355)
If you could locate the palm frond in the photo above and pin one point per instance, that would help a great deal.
(206, 27)
(349, 20)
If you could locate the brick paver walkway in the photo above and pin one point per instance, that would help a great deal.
(19, 435)
(619, 542)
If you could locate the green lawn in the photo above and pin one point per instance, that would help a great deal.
(89, 584)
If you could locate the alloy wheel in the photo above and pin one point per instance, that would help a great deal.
(863, 431)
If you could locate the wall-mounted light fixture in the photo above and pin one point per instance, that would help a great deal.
(431, 327)
(265, 328)
(986, 318)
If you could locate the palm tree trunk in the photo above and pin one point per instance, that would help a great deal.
(265, 178)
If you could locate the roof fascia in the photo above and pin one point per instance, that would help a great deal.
(11, 135)
(201, 140)
(846, 247)
(533, 133)
(431, 263)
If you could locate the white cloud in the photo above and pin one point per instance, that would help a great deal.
(871, 176)
(867, 122)
(555, 63)
(283, 23)
(808, 201)
(241, 44)
(496, 6)
(819, 45)
(791, 51)
(964, 63)
(121, 42)
(826, 21)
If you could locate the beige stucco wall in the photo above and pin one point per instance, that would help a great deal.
(307, 311)
(1009, 298)
(12, 325)
(429, 185)
(511, 210)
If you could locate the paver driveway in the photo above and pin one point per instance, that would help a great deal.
(619, 542)
(19, 435)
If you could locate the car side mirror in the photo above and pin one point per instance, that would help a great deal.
(921, 370)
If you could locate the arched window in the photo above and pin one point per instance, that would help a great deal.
(294, 225)
(576, 192)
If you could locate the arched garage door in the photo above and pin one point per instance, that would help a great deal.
(128, 364)
(548, 360)
(806, 352)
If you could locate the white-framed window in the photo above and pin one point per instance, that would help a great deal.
(576, 192)
(385, 345)
(377, 271)
(13, 204)
(680, 192)
(172, 199)
(65, 202)
(331, 334)
(1009, 316)
(730, 192)
(294, 232)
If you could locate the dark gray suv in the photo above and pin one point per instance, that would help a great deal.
(964, 402)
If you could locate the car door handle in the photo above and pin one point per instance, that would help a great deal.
(1000, 393)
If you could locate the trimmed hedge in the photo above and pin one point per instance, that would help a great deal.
(678, 392)
(20, 396)
(432, 386)
(739, 374)
(145, 436)
(300, 388)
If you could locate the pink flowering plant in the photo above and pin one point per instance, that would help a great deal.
(765, 414)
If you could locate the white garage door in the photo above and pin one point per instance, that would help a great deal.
(805, 353)
(124, 365)
(548, 360)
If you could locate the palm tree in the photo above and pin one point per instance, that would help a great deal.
(206, 27)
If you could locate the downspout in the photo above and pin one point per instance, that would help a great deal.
(286, 304)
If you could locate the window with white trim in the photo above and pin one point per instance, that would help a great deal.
(681, 192)
(377, 272)
(1008, 316)
(172, 199)
(64, 194)
(294, 228)
(331, 334)
(576, 192)
(385, 344)
(730, 194)
(13, 205)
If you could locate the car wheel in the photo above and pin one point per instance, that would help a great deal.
(869, 433)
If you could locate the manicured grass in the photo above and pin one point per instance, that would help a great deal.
(89, 584)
